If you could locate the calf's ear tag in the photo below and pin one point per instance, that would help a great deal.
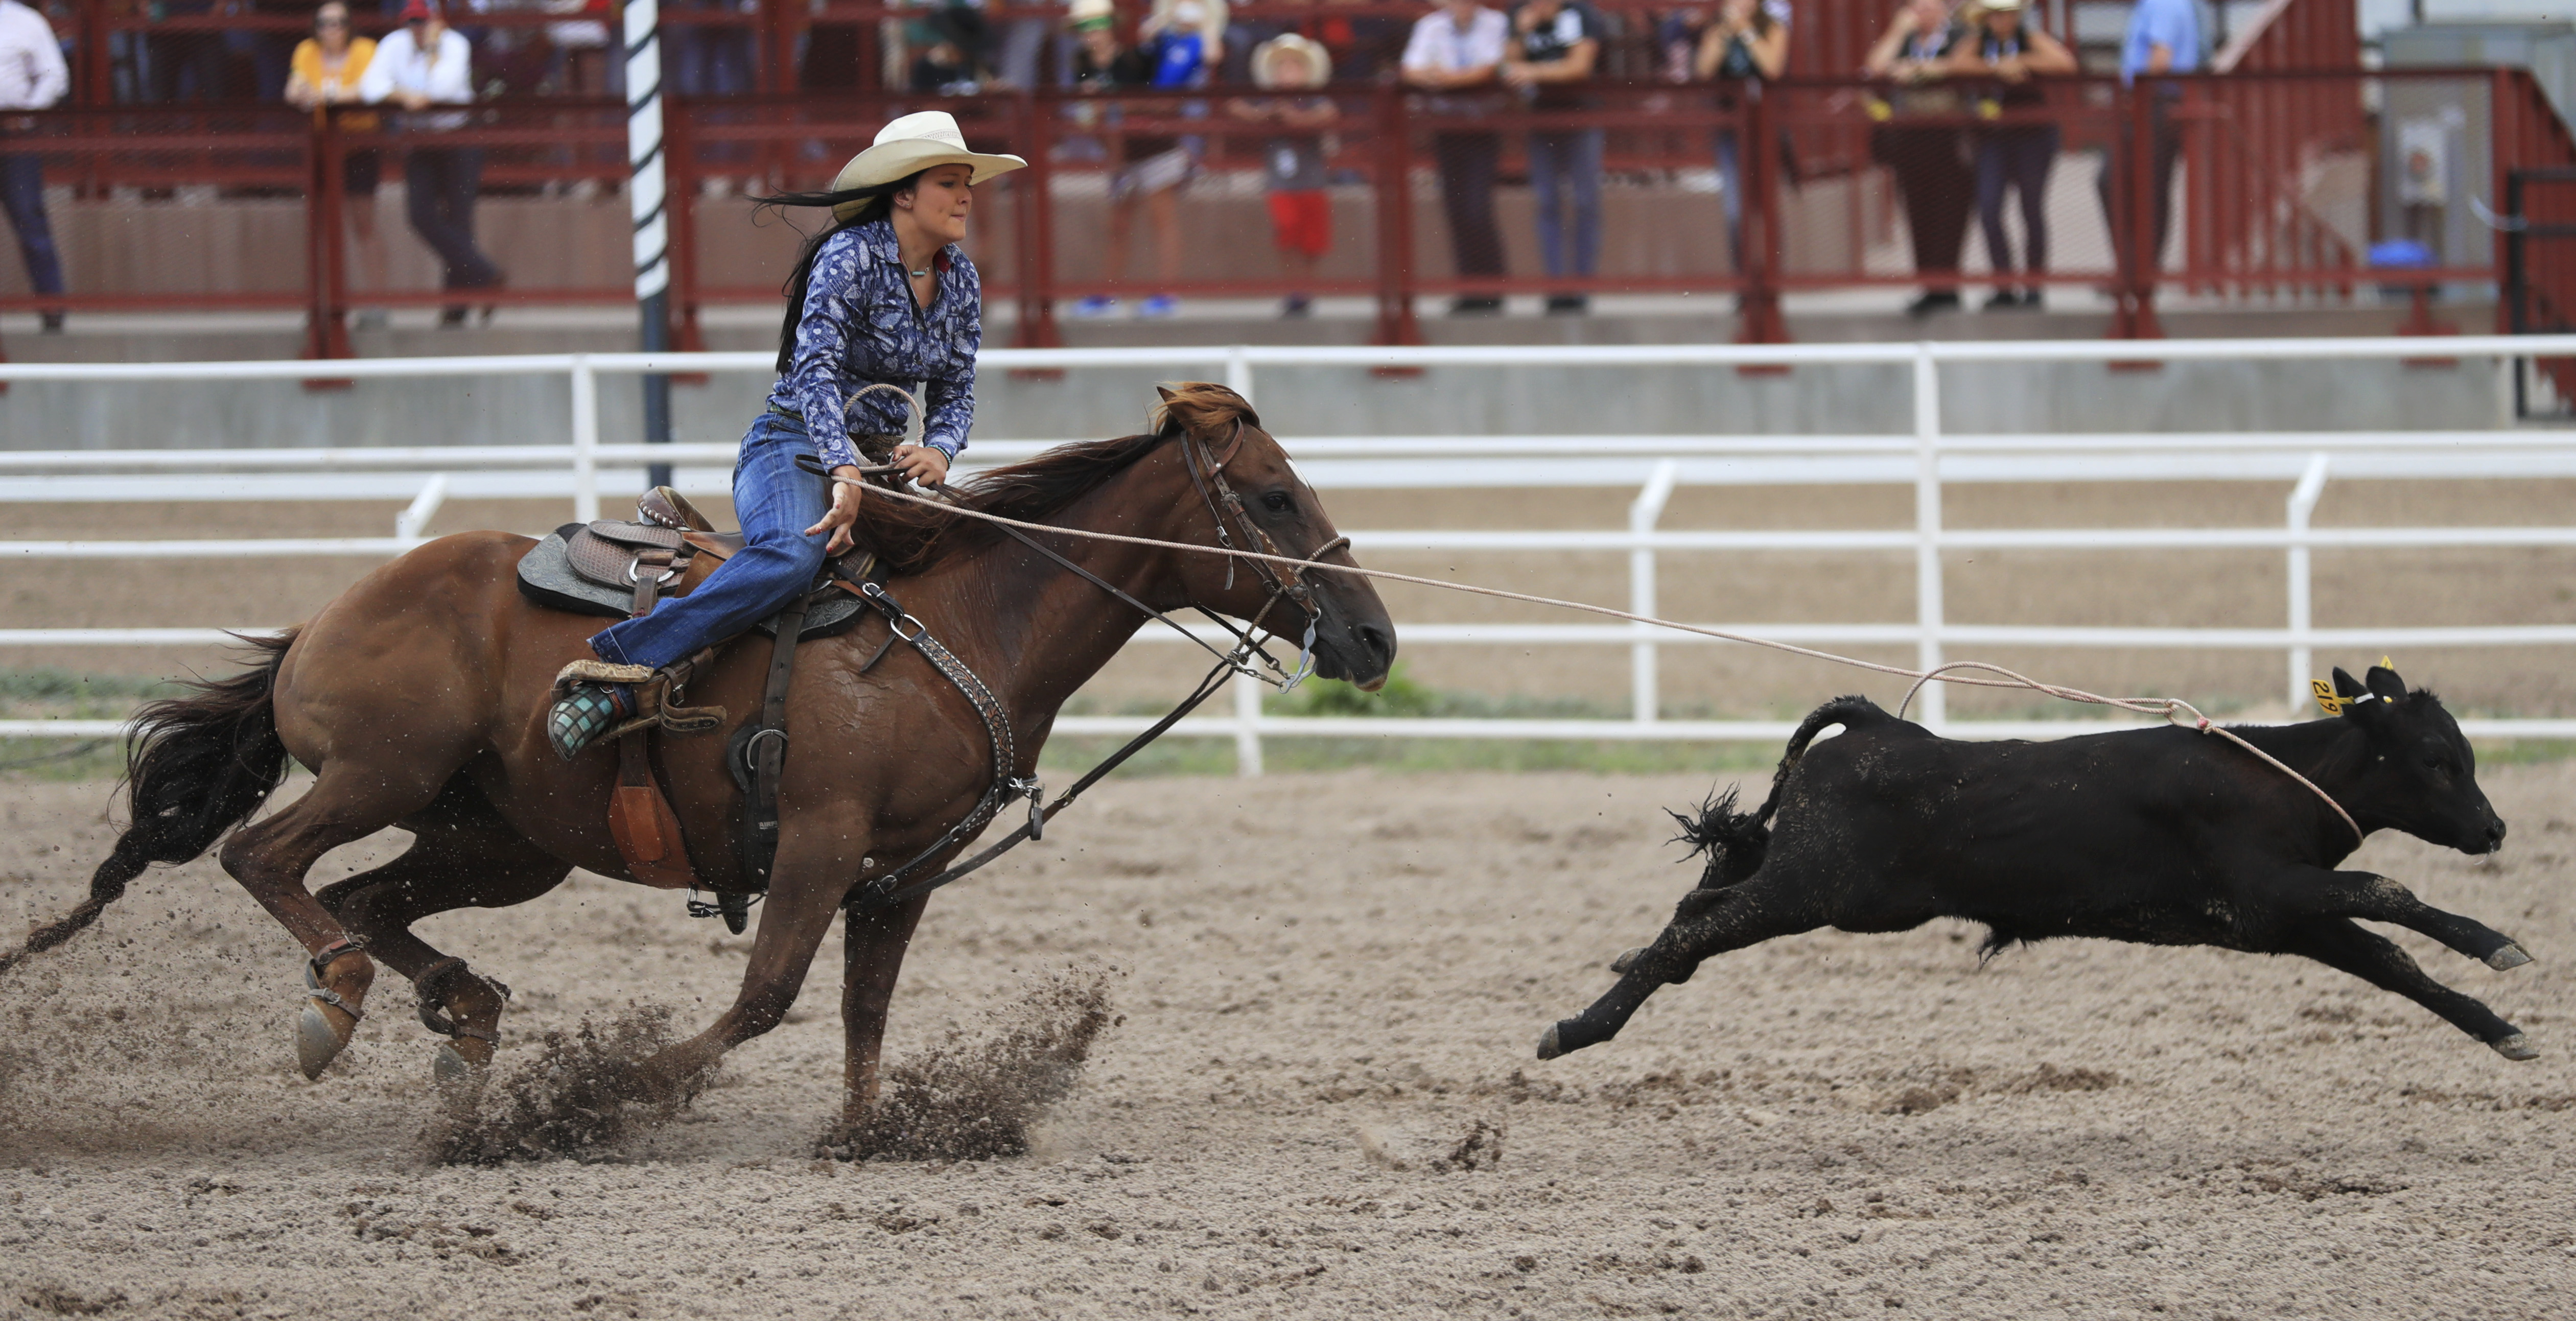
(2326, 698)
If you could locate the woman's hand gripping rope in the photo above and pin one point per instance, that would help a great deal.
(924, 464)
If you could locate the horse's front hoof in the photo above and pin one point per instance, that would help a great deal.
(2516, 1047)
(2508, 958)
(1624, 962)
(321, 1033)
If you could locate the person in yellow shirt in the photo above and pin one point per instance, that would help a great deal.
(324, 72)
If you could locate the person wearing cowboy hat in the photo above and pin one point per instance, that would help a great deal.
(1301, 212)
(881, 296)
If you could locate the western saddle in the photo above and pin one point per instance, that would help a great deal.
(613, 567)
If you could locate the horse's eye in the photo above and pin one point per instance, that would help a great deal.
(1277, 502)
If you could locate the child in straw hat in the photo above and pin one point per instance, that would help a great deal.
(1301, 212)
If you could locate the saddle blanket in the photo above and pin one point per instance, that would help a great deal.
(547, 578)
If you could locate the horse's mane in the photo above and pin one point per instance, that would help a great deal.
(910, 538)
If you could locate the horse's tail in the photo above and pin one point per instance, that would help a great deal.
(195, 767)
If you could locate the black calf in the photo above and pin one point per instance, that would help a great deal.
(2165, 836)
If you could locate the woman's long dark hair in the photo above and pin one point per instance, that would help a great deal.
(879, 199)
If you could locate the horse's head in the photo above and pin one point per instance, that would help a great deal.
(1256, 502)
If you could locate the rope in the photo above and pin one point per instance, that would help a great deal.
(2173, 710)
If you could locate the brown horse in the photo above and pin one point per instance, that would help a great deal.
(418, 700)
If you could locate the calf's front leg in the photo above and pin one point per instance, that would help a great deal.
(2374, 958)
(2376, 898)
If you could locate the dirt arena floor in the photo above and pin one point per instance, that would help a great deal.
(1328, 986)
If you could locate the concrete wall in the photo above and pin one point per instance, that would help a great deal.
(1307, 401)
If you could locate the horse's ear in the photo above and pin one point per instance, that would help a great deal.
(2385, 685)
(1166, 392)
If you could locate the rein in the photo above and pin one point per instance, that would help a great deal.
(887, 891)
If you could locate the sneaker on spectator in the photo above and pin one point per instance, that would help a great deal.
(53, 323)
(1298, 305)
(1567, 304)
(1095, 306)
(1160, 305)
(2032, 301)
(1939, 300)
(2004, 300)
(1476, 305)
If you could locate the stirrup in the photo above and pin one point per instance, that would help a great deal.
(581, 716)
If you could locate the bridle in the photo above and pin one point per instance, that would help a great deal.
(1284, 580)
(1284, 575)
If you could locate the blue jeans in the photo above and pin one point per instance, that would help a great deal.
(22, 195)
(1567, 162)
(2018, 158)
(776, 502)
(1730, 195)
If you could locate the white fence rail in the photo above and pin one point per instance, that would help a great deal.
(1925, 459)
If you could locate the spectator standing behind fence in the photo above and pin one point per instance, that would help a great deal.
(1927, 158)
(1301, 212)
(325, 71)
(1154, 165)
(1748, 44)
(1554, 48)
(424, 64)
(1457, 50)
(2010, 55)
(2163, 37)
(32, 77)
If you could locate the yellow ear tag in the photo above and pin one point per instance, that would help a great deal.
(2387, 664)
(2326, 696)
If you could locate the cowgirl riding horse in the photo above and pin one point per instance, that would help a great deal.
(882, 297)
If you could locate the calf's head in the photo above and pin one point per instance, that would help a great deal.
(2418, 773)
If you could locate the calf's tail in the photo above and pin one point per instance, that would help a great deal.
(1851, 713)
(195, 766)
(1736, 843)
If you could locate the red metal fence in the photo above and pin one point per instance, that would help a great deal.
(2277, 194)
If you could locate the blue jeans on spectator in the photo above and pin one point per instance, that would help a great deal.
(22, 194)
(1565, 167)
(442, 184)
(776, 501)
(2019, 158)
(1730, 196)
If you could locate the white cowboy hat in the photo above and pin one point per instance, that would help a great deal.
(1265, 59)
(909, 145)
(1090, 11)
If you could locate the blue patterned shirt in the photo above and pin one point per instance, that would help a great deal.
(862, 326)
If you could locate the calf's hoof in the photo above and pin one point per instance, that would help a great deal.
(1548, 1049)
(2516, 1047)
(1628, 960)
(2508, 958)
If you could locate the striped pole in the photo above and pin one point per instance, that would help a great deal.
(648, 202)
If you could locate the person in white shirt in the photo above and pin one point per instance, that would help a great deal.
(1455, 49)
(427, 64)
(32, 77)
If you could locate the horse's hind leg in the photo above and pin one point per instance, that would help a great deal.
(462, 856)
(348, 802)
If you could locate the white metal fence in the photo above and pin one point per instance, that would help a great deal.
(1656, 465)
